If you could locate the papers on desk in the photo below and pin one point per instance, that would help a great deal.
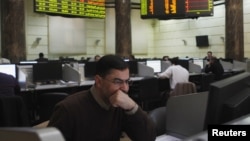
(166, 137)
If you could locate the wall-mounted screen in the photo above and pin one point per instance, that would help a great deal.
(202, 41)
(8, 69)
(155, 64)
(71, 8)
(176, 9)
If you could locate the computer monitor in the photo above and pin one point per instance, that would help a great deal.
(30, 133)
(228, 99)
(133, 67)
(27, 62)
(199, 62)
(47, 72)
(90, 69)
(185, 114)
(155, 64)
(184, 63)
(8, 69)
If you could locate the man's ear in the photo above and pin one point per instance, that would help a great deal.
(98, 80)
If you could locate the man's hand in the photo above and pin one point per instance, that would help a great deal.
(122, 100)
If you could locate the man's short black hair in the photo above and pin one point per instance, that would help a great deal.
(109, 62)
(174, 60)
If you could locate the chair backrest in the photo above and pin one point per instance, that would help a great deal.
(158, 116)
(13, 112)
(183, 88)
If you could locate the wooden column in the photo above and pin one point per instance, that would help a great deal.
(123, 28)
(13, 30)
(234, 30)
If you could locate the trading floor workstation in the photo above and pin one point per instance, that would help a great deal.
(37, 79)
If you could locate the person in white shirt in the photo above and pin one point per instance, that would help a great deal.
(175, 73)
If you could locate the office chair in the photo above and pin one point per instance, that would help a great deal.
(13, 112)
(46, 103)
(183, 88)
(158, 116)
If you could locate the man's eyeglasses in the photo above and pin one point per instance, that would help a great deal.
(120, 82)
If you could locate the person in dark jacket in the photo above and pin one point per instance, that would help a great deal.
(8, 85)
(42, 58)
(104, 111)
(214, 66)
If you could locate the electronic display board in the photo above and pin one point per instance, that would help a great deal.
(71, 8)
(176, 9)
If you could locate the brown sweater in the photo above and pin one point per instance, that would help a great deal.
(80, 118)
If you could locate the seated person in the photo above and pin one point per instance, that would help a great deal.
(214, 66)
(104, 111)
(41, 58)
(165, 58)
(8, 85)
(97, 57)
(176, 73)
(209, 56)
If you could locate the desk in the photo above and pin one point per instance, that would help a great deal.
(86, 83)
(58, 86)
(201, 80)
(31, 94)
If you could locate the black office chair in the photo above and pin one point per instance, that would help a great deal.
(13, 112)
(158, 116)
(46, 103)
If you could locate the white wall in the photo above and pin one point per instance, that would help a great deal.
(150, 38)
(169, 35)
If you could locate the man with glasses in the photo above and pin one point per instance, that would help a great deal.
(105, 111)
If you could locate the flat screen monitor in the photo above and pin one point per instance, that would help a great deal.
(133, 67)
(199, 62)
(90, 70)
(47, 72)
(8, 69)
(27, 62)
(228, 99)
(30, 133)
(155, 64)
(184, 63)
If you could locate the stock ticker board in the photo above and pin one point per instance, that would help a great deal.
(71, 8)
(176, 9)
